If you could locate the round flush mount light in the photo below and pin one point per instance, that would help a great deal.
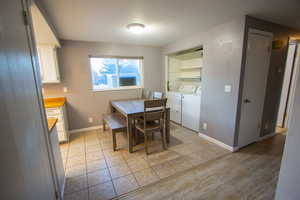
(136, 28)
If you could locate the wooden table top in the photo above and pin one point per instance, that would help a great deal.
(129, 107)
(51, 123)
(54, 102)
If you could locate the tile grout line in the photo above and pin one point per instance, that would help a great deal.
(107, 167)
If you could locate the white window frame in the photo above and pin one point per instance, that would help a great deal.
(141, 60)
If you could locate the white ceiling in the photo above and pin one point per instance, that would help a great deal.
(166, 20)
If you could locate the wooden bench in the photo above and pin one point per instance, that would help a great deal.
(116, 123)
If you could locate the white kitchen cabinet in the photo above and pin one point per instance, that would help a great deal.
(62, 123)
(174, 103)
(191, 111)
(48, 63)
(57, 158)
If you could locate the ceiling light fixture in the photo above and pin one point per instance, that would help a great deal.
(136, 28)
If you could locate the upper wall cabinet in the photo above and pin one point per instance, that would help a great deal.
(47, 44)
(48, 63)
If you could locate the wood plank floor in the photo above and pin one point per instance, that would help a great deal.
(251, 173)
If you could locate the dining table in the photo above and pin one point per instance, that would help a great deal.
(132, 109)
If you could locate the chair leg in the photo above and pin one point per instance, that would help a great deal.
(163, 139)
(114, 140)
(103, 125)
(146, 143)
(153, 136)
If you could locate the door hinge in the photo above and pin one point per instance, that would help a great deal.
(25, 18)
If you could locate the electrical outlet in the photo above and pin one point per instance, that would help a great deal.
(205, 126)
(65, 89)
(227, 88)
(90, 120)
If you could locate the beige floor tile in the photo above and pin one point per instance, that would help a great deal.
(111, 153)
(102, 191)
(75, 184)
(96, 165)
(125, 184)
(93, 148)
(81, 195)
(76, 170)
(146, 176)
(164, 170)
(115, 160)
(99, 176)
(119, 170)
(161, 157)
(76, 160)
(180, 164)
(90, 156)
(137, 164)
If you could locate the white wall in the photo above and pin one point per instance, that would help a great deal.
(289, 176)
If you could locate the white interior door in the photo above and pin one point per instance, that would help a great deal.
(254, 88)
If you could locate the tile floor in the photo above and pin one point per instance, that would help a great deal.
(95, 172)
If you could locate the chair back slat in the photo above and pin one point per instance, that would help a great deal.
(155, 103)
(154, 115)
(158, 95)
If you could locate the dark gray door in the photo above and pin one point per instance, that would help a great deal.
(25, 169)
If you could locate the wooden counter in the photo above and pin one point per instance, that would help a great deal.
(51, 123)
(54, 102)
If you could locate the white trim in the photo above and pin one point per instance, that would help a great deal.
(85, 129)
(217, 142)
(266, 137)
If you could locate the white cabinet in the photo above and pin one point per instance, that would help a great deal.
(57, 158)
(191, 111)
(62, 123)
(174, 103)
(48, 63)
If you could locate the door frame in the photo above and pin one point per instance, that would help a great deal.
(247, 31)
(292, 80)
(36, 68)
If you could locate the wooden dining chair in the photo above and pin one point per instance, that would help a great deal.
(153, 120)
(146, 94)
(158, 95)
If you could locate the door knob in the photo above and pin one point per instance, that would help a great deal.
(247, 101)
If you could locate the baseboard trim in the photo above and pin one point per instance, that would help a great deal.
(266, 136)
(84, 129)
(217, 142)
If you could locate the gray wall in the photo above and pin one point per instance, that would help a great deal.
(75, 71)
(276, 72)
(289, 176)
(222, 66)
(25, 169)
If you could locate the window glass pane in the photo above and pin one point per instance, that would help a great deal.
(104, 73)
(130, 73)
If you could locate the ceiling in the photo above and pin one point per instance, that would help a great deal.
(166, 20)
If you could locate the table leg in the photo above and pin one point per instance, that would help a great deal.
(167, 127)
(129, 134)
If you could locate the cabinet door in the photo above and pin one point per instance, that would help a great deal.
(48, 62)
(191, 111)
(174, 102)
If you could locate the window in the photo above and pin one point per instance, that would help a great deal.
(116, 73)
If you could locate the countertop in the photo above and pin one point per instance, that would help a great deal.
(51, 123)
(54, 102)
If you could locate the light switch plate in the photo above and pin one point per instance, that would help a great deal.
(204, 126)
(227, 88)
(65, 89)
